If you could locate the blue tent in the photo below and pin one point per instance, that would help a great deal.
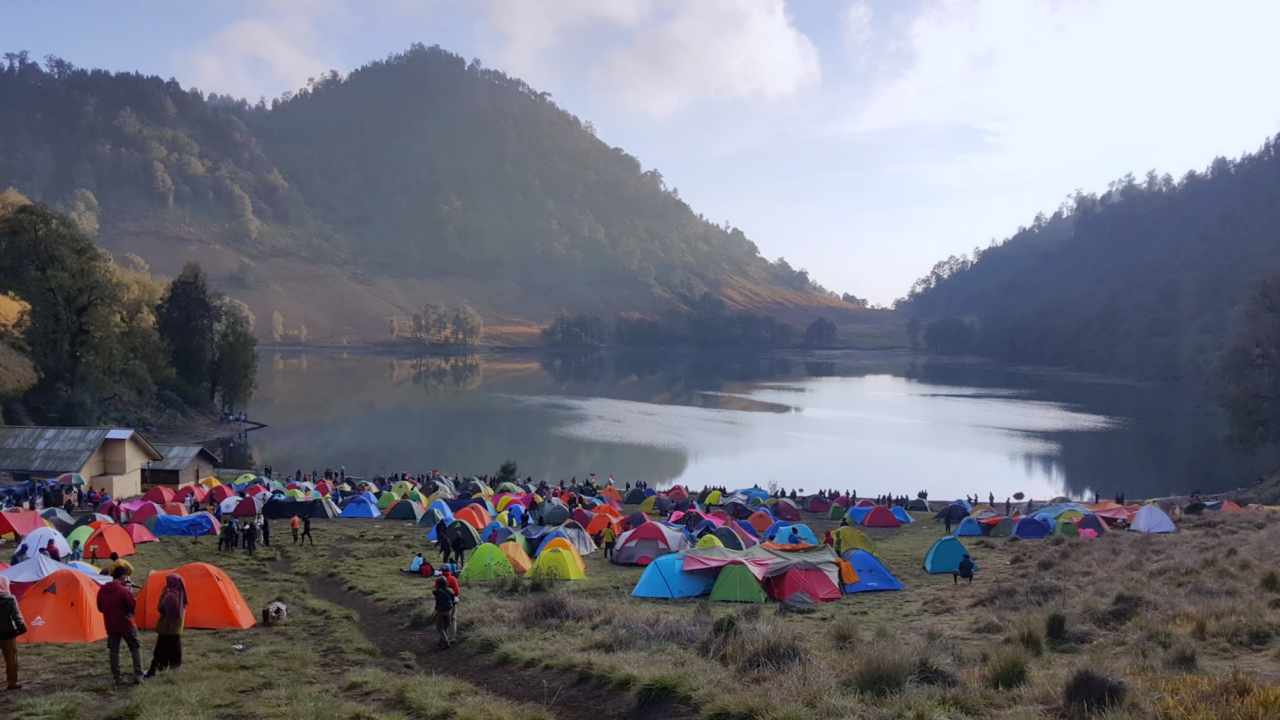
(361, 507)
(856, 514)
(515, 513)
(969, 527)
(781, 533)
(872, 574)
(438, 510)
(748, 528)
(188, 525)
(944, 556)
(666, 579)
(902, 514)
(1031, 528)
(752, 492)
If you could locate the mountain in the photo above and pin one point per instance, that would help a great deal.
(1145, 280)
(419, 178)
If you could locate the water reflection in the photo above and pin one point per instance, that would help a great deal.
(874, 422)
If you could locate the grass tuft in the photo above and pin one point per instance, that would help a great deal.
(1089, 692)
(1007, 670)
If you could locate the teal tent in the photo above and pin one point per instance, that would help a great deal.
(944, 556)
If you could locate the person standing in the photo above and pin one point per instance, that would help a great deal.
(172, 612)
(445, 601)
(11, 626)
(116, 603)
(295, 526)
(266, 532)
(306, 531)
(250, 537)
(610, 539)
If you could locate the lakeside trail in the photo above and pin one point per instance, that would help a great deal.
(567, 696)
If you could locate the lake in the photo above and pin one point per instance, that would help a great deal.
(874, 422)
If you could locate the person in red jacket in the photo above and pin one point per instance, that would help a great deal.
(452, 582)
(116, 603)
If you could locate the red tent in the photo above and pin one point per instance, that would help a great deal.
(817, 505)
(786, 510)
(802, 580)
(246, 509)
(324, 487)
(677, 493)
(474, 515)
(864, 503)
(760, 520)
(842, 500)
(188, 490)
(145, 513)
(583, 517)
(139, 533)
(254, 490)
(20, 522)
(221, 492)
(881, 516)
(159, 495)
(175, 508)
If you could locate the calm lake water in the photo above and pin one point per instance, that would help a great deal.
(864, 421)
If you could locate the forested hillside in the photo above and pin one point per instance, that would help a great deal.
(1144, 280)
(420, 178)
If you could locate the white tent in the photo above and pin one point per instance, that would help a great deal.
(37, 539)
(1151, 519)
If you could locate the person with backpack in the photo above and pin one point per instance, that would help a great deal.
(445, 602)
(11, 626)
(965, 570)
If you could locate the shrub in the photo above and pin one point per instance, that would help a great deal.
(1046, 564)
(927, 672)
(422, 616)
(757, 653)
(1182, 657)
(1123, 608)
(661, 690)
(1091, 692)
(1215, 696)
(845, 633)
(1271, 582)
(1029, 638)
(1007, 670)
(554, 609)
(1055, 627)
(880, 672)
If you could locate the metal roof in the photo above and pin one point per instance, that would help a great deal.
(55, 450)
(178, 457)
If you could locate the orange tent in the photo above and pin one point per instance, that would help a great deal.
(520, 561)
(474, 515)
(611, 493)
(159, 495)
(175, 508)
(761, 521)
(62, 608)
(600, 521)
(215, 603)
(606, 509)
(563, 544)
(20, 522)
(1229, 506)
(139, 533)
(109, 539)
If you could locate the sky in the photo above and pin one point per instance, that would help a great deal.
(863, 140)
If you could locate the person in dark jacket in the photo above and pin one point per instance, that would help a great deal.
(965, 570)
(306, 532)
(442, 540)
(171, 614)
(11, 626)
(116, 603)
(266, 532)
(445, 602)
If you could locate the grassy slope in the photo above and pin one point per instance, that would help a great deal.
(1171, 616)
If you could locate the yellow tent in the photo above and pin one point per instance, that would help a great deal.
(485, 491)
(851, 538)
(713, 498)
(563, 544)
(520, 561)
(503, 519)
(503, 502)
(649, 504)
(710, 541)
(210, 482)
(557, 563)
(246, 478)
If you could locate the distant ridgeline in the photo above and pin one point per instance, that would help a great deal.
(1147, 280)
(329, 207)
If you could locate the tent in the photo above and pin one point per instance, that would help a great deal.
(62, 608)
(601, 521)
(81, 533)
(438, 510)
(817, 504)
(735, 583)
(760, 521)
(487, 563)
(969, 527)
(1066, 529)
(106, 540)
(641, 545)
(802, 581)
(246, 508)
(785, 509)
(37, 539)
(835, 512)
(781, 533)
(360, 507)
(944, 556)
(188, 490)
(159, 495)
(709, 540)
(856, 514)
(578, 538)
(462, 536)
(59, 519)
(34, 569)
(733, 538)
(849, 538)
(1151, 519)
(214, 601)
(1092, 522)
(553, 512)
(516, 555)
(221, 492)
(562, 544)
(387, 499)
(20, 522)
(1002, 528)
(873, 576)
(150, 510)
(139, 533)
(713, 498)
(634, 496)
(201, 523)
(405, 510)
(956, 511)
(665, 579)
(1031, 528)
(557, 564)
(901, 513)
(477, 517)
(881, 517)
(228, 505)
(918, 505)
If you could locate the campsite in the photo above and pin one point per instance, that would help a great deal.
(1186, 625)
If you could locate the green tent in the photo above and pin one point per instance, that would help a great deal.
(736, 584)
(1004, 528)
(488, 562)
(836, 512)
(387, 499)
(81, 533)
(1066, 529)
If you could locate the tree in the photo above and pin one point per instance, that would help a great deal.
(467, 326)
(575, 331)
(507, 472)
(187, 319)
(277, 325)
(233, 375)
(820, 333)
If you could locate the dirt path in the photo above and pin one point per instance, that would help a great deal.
(564, 695)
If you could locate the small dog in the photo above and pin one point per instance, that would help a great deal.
(275, 613)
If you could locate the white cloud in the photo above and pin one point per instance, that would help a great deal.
(533, 28)
(711, 49)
